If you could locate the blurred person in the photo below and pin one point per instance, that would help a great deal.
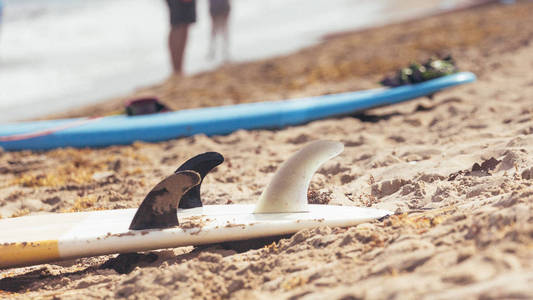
(219, 11)
(182, 14)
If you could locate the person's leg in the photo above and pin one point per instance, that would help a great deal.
(212, 40)
(176, 41)
(225, 35)
(182, 14)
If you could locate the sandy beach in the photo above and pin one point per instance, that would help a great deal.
(457, 171)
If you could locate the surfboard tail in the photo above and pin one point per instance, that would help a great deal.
(282, 209)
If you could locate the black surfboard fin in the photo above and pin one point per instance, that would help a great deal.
(159, 207)
(203, 164)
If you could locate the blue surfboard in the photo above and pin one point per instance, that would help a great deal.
(121, 130)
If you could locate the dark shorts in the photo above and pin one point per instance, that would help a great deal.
(182, 11)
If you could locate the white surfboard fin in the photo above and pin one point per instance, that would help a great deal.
(287, 191)
(202, 164)
(159, 207)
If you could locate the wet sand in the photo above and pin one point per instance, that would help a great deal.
(457, 170)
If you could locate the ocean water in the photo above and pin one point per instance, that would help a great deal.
(60, 54)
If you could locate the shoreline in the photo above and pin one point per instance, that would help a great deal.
(465, 6)
(460, 230)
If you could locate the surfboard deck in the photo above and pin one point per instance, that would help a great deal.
(43, 238)
(116, 130)
(172, 215)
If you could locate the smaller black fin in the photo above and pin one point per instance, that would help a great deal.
(159, 207)
(203, 164)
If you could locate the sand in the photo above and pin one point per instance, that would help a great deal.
(457, 170)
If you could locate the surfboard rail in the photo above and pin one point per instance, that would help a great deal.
(71, 235)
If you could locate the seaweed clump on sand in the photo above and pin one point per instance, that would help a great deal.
(420, 72)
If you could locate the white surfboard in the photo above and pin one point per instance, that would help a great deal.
(282, 209)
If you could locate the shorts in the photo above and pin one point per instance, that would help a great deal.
(219, 8)
(182, 11)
